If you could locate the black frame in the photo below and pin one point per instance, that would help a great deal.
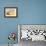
(11, 16)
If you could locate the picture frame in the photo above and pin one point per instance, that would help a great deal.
(37, 29)
(10, 12)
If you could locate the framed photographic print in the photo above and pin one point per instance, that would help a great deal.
(33, 32)
(11, 12)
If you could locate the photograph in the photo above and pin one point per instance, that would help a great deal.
(32, 32)
(10, 11)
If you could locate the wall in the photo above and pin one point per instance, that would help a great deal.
(29, 12)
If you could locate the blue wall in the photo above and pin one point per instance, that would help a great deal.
(29, 12)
